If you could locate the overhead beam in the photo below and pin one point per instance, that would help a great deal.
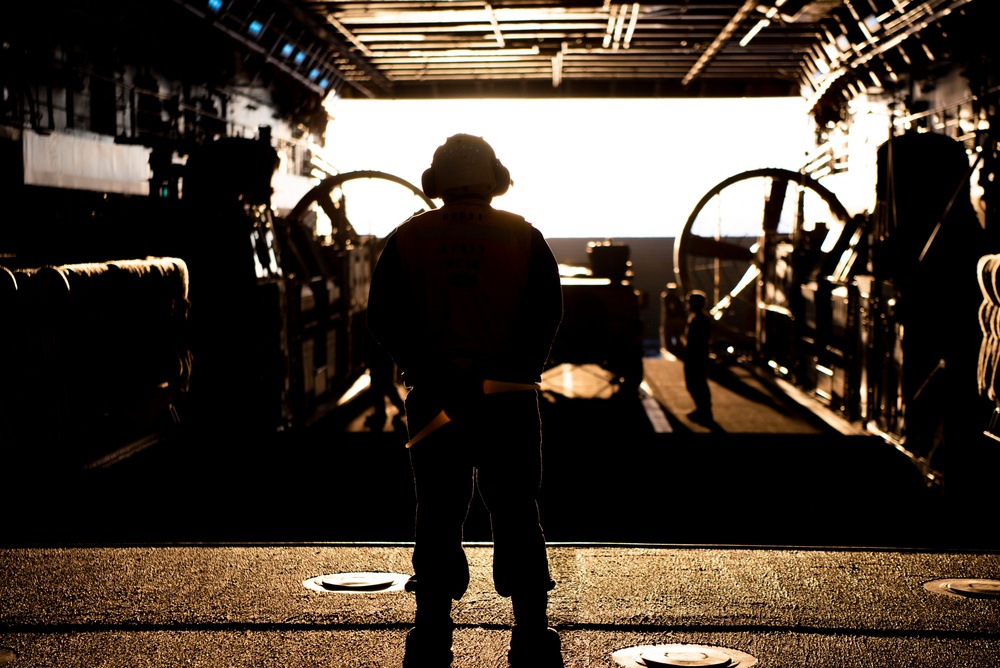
(341, 47)
(720, 41)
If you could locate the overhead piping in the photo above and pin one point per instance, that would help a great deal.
(351, 37)
(495, 24)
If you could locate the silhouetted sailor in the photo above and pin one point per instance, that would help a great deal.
(697, 332)
(382, 374)
(467, 301)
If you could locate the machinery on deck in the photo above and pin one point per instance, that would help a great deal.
(601, 322)
(208, 311)
(282, 321)
(872, 316)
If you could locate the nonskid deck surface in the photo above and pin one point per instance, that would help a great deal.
(260, 605)
(794, 545)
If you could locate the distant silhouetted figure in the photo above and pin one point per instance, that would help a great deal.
(382, 374)
(466, 299)
(696, 337)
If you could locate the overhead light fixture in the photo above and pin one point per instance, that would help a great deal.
(495, 24)
(769, 13)
(557, 63)
(888, 70)
(763, 23)
(631, 24)
(392, 37)
(861, 23)
(927, 50)
(610, 30)
(619, 25)
(459, 55)
(823, 64)
(830, 47)
(615, 30)
(905, 56)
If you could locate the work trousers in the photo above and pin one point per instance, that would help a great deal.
(696, 381)
(493, 445)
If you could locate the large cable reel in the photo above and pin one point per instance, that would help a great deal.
(721, 249)
(323, 195)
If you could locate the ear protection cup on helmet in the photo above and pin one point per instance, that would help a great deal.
(502, 175)
(429, 184)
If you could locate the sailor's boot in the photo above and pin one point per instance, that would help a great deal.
(532, 643)
(428, 643)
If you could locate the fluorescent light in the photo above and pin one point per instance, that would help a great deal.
(763, 23)
(631, 24)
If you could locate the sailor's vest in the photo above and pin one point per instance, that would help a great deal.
(467, 268)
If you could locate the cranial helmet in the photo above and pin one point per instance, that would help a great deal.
(465, 164)
(697, 299)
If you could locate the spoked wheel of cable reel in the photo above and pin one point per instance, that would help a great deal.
(332, 194)
(327, 255)
(719, 250)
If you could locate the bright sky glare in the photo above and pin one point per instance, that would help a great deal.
(589, 168)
